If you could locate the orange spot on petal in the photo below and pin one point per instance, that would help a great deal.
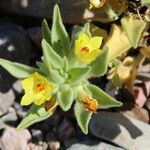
(40, 87)
(85, 49)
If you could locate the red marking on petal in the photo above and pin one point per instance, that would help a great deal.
(85, 49)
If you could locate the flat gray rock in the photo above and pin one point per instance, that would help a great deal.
(122, 130)
(99, 146)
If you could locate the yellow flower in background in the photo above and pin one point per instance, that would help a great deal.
(37, 90)
(87, 49)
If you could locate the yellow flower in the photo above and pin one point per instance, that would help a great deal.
(37, 90)
(86, 48)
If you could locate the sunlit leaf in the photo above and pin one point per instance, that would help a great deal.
(36, 114)
(82, 116)
(133, 28)
(17, 70)
(59, 36)
(46, 33)
(105, 101)
(117, 42)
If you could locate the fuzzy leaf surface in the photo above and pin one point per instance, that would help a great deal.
(59, 36)
(134, 29)
(146, 3)
(51, 58)
(35, 114)
(65, 97)
(46, 33)
(99, 66)
(18, 70)
(79, 73)
(105, 101)
(82, 116)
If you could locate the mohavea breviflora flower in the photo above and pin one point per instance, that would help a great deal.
(37, 90)
(89, 104)
(86, 48)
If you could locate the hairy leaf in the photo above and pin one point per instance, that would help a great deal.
(17, 70)
(54, 76)
(99, 66)
(79, 73)
(146, 3)
(46, 33)
(105, 101)
(36, 114)
(82, 116)
(51, 58)
(133, 28)
(65, 97)
(59, 37)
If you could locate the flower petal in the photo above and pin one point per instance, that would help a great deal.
(27, 99)
(28, 84)
(95, 43)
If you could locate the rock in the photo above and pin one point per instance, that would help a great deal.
(122, 130)
(32, 146)
(15, 46)
(73, 11)
(7, 118)
(35, 34)
(53, 143)
(65, 130)
(13, 140)
(70, 9)
(37, 136)
(87, 145)
(6, 100)
(148, 104)
(20, 110)
(100, 146)
(138, 113)
(139, 96)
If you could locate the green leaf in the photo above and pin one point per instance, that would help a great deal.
(42, 66)
(17, 70)
(65, 64)
(59, 37)
(134, 29)
(46, 33)
(99, 66)
(146, 3)
(82, 116)
(54, 76)
(65, 97)
(36, 114)
(86, 29)
(51, 58)
(105, 101)
(79, 73)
